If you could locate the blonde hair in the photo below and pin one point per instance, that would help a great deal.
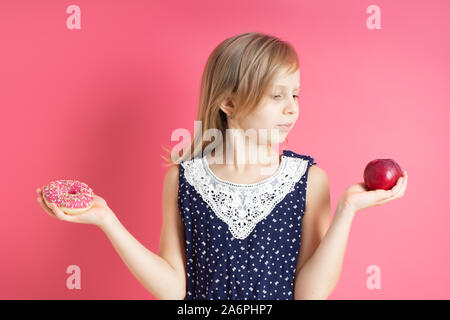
(241, 69)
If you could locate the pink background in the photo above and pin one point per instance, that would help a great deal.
(96, 104)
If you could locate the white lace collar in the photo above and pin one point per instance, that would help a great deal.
(245, 185)
(242, 206)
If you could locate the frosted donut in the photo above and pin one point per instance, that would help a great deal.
(72, 196)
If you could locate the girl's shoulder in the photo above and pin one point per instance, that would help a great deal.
(172, 174)
(293, 154)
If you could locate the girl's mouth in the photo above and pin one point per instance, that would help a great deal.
(285, 126)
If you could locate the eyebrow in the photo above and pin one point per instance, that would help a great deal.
(281, 86)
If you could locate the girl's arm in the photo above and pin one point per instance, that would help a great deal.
(163, 275)
(317, 277)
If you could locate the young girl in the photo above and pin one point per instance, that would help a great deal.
(232, 229)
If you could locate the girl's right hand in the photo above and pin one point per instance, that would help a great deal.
(96, 215)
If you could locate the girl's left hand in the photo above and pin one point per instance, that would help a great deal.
(358, 196)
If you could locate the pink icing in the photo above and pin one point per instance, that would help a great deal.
(68, 193)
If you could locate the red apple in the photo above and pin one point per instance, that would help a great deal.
(381, 174)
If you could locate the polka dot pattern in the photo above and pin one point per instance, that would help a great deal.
(259, 267)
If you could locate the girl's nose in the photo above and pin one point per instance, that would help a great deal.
(291, 107)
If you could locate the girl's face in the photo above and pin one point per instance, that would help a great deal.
(278, 107)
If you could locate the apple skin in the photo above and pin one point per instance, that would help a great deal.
(381, 174)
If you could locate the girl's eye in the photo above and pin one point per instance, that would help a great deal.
(278, 96)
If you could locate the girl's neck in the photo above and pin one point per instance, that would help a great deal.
(247, 158)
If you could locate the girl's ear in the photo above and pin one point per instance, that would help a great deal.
(227, 107)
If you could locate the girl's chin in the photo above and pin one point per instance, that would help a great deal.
(278, 142)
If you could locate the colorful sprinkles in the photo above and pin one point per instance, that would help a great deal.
(72, 194)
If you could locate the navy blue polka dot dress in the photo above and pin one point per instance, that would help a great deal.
(242, 240)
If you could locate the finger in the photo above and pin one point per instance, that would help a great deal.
(398, 189)
(398, 183)
(99, 201)
(394, 193)
(39, 191)
(405, 183)
(59, 213)
(44, 206)
(52, 211)
(398, 186)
